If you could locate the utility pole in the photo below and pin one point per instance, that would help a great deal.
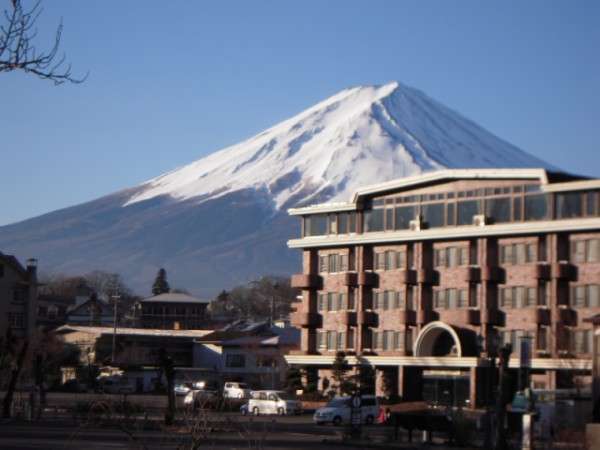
(115, 298)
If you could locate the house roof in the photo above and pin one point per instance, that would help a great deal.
(13, 262)
(132, 331)
(545, 177)
(172, 297)
(282, 336)
(105, 308)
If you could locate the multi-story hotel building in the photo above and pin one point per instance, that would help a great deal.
(422, 277)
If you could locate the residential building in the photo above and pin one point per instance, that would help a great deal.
(250, 352)
(423, 278)
(92, 311)
(18, 296)
(173, 311)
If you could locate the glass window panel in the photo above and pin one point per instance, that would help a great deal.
(594, 296)
(517, 217)
(450, 216)
(536, 207)
(389, 218)
(568, 205)
(452, 255)
(531, 252)
(440, 257)
(531, 296)
(466, 211)
(590, 202)
(350, 340)
(542, 339)
(519, 299)
(578, 251)
(404, 214)
(332, 224)
(317, 225)
(463, 300)
(374, 220)
(352, 223)
(498, 209)
(342, 222)
(351, 301)
(463, 256)
(593, 250)
(390, 260)
(520, 254)
(579, 296)
(401, 259)
(433, 214)
(452, 298)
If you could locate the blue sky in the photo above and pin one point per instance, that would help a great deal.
(172, 81)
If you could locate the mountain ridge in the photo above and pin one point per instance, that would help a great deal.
(221, 220)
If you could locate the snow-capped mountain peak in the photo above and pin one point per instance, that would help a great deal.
(356, 137)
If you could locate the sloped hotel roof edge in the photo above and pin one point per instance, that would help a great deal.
(428, 177)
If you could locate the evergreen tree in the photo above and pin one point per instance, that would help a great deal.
(340, 368)
(161, 285)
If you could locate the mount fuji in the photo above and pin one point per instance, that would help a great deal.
(221, 220)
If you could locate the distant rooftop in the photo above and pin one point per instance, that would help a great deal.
(133, 331)
(174, 298)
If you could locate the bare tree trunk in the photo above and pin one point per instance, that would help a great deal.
(14, 377)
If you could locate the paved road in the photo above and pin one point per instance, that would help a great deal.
(247, 433)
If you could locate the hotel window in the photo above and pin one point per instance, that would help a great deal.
(374, 219)
(409, 338)
(333, 263)
(542, 339)
(536, 207)
(515, 297)
(585, 296)
(581, 341)
(518, 254)
(351, 300)
(403, 216)
(320, 339)
(498, 209)
(585, 250)
(569, 205)
(433, 214)
(451, 256)
(466, 210)
(331, 340)
(315, 225)
(388, 340)
(350, 344)
(398, 340)
(513, 337)
(340, 344)
(333, 229)
(450, 298)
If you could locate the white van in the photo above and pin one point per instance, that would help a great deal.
(273, 402)
(232, 389)
(338, 411)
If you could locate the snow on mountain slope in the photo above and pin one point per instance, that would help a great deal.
(357, 137)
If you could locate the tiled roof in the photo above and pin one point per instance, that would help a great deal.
(174, 298)
(133, 331)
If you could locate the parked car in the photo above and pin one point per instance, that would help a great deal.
(200, 398)
(115, 385)
(233, 389)
(182, 389)
(273, 402)
(339, 411)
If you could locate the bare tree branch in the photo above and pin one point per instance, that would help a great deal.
(17, 51)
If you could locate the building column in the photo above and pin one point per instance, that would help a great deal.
(410, 383)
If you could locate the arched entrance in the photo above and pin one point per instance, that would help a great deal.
(438, 339)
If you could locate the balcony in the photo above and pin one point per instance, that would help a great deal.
(407, 276)
(367, 279)
(563, 271)
(471, 316)
(427, 276)
(542, 316)
(492, 317)
(426, 316)
(471, 274)
(306, 320)
(492, 274)
(348, 318)
(567, 316)
(542, 271)
(367, 318)
(349, 279)
(306, 281)
(404, 317)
